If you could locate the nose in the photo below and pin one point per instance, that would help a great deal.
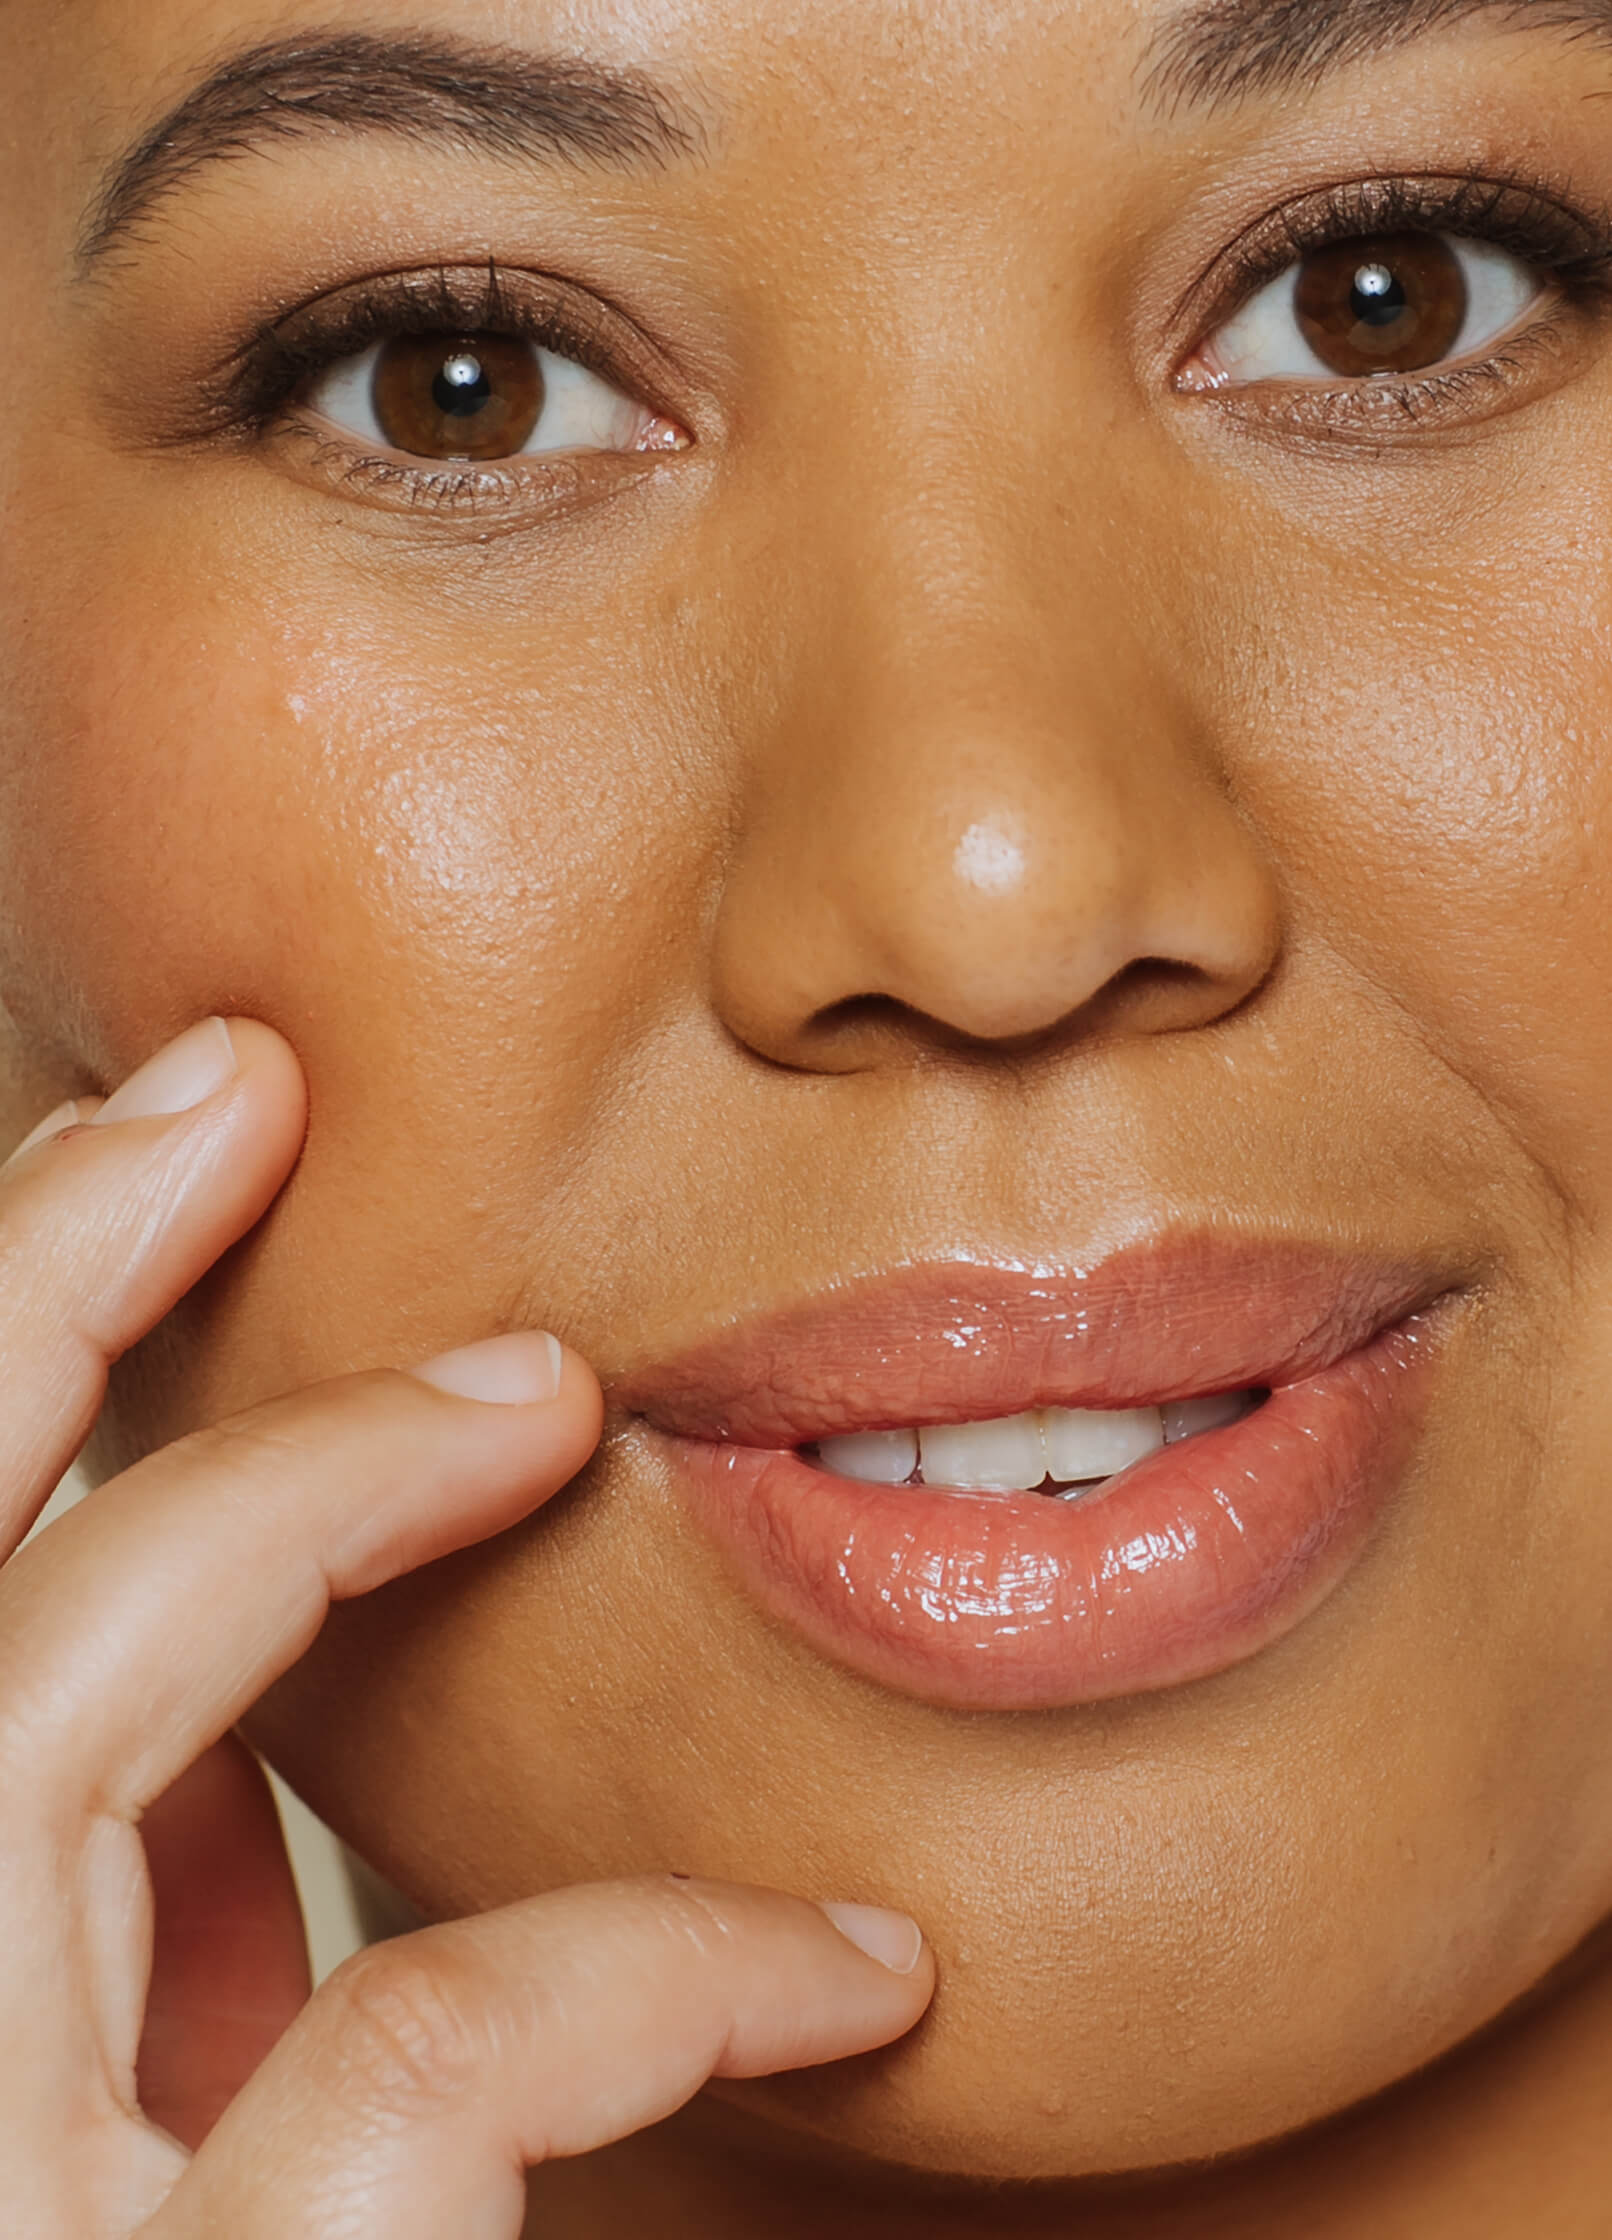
(985, 832)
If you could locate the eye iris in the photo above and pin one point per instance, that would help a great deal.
(458, 396)
(1395, 305)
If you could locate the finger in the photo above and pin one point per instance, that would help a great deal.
(143, 1624)
(429, 2074)
(229, 1968)
(137, 1630)
(107, 1220)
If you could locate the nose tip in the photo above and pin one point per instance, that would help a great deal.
(991, 858)
(994, 925)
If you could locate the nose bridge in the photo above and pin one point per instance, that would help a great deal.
(966, 651)
(982, 806)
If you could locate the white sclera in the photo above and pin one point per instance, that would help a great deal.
(1265, 342)
(580, 411)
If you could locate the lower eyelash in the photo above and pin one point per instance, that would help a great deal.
(548, 481)
(1386, 407)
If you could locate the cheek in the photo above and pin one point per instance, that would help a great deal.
(262, 812)
(450, 870)
(1435, 770)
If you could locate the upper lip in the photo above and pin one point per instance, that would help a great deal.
(959, 1342)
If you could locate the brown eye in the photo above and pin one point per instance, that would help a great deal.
(1386, 307)
(1397, 304)
(481, 399)
(468, 396)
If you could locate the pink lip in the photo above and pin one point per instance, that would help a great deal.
(1186, 1565)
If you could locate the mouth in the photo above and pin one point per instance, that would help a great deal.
(1005, 1491)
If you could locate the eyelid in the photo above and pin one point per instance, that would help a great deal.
(1539, 223)
(257, 384)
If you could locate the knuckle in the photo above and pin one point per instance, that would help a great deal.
(405, 2023)
(27, 1740)
(276, 1439)
(293, 1428)
(29, 1254)
(688, 1914)
(266, 1440)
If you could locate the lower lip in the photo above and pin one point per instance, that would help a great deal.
(1187, 1565)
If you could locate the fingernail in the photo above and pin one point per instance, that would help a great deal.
(893, 1939)
(177, 1079)
(515, 1371)
(64, 1116)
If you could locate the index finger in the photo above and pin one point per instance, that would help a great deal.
(145, 1623)
(107, 1220)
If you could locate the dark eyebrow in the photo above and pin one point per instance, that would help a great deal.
(496, 100)
(1222, 50)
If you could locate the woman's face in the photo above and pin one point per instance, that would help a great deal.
(997, 781)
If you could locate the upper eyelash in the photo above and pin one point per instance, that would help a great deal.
(1538, 225)
(1543, 225)
(254, 388)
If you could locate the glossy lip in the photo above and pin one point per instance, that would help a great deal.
(1182, 1567)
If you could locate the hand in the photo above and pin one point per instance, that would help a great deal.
(408, 2096)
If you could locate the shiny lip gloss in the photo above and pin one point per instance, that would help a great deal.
(1181, 1567)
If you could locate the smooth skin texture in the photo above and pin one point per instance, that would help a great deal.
(979, 797)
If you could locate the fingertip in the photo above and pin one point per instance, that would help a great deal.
(517, 1368)
(520, 1369)
(893, 1939)
(263, 1055)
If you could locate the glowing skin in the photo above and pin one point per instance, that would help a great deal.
(980, 798)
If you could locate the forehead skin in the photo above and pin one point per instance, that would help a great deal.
(553, 846)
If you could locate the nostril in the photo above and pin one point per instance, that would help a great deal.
(866, 1030)
(854, 1012)
(1151, 977)
(860, 1028)
(1157, 995)
(867, 924)
(1149, 995)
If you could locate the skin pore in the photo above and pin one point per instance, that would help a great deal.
(970, 794)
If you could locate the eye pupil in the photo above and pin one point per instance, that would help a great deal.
(1395, 305)
(470, 397)
(462, 386)
(1378, 297)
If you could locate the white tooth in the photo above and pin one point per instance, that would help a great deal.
(1005, 1456)
(1184, 1417)
(1095, 1442)
(877, 1458)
